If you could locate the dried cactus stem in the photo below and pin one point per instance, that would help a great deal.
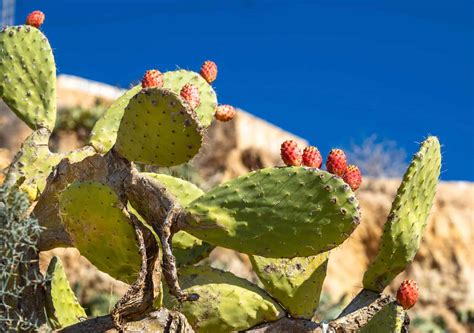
(169, 262)
(161, 210)
(138, 300)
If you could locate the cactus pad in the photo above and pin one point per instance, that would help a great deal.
(296, 283)
(61, 304)
(187, 249)
(408, 217)
(389, 319)
(175, 80)
(33, 163)
(28, 76)
(93, 216)
(276, 213)
(104, 132)
(226, 303)
(158, 128)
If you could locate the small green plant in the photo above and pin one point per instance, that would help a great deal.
(128, 223)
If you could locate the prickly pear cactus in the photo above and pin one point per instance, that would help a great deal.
(276, 212)
(33, 164)
(389, 319)
(28, 76)
(226, 303)
(408, 217)
(296, 283)
(175, 80)
(158, 128)
(61, 304)
(94, 217)
(104, 132)
(287, 219)
(187, 248)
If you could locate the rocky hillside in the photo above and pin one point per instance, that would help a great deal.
(443, 267)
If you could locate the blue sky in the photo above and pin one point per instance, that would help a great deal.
(330, 71)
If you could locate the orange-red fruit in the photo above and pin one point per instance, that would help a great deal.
(35, 19)
(290, 153)
(336, 162)
(224, 112)
(312, 157)
(209, 71)
(191, 94)
(407, 294)
(152, 79)
(353, 177)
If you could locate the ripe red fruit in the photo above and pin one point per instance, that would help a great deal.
(353, 177)
(290, 153)
(224, 112)
(209, 71)
(407, 294)
(312, 157)
(152, 79)
(336, 162)
(191, 94)
(35, 19)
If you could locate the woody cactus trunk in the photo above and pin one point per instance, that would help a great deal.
(152, 230)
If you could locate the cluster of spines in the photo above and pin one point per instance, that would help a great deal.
(336, 161)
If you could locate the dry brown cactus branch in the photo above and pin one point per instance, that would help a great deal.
(138, 300)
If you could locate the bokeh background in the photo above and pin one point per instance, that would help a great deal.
(372, 77)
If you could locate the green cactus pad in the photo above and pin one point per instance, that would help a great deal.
(389, 319)
(296, 283)
(276, 213)
(93, 216)
(158, 128)
(104, 132)
(35, 161)
(175, 80)
(408, 217)
(28, 76)
(187, 249)
(226, 303)
(61, 304)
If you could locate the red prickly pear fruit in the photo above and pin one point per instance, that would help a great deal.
(224, 112)
(336, 162)
(191, 95)
(407, 294)
(290, 153)
(152, 79)
(35, 19)
(312, 157)
(353, 177)
(209, 71)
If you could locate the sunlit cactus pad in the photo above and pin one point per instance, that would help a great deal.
(159, 128)
(104, 132)
(408, 217)
(296, 283)
(276, 212)
(28, 76)
(175, 80)
(61, 304)
(226, 303)
(389, 319)
(93, 216)
(33, 163)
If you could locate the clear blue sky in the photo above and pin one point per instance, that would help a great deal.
(330, 71)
